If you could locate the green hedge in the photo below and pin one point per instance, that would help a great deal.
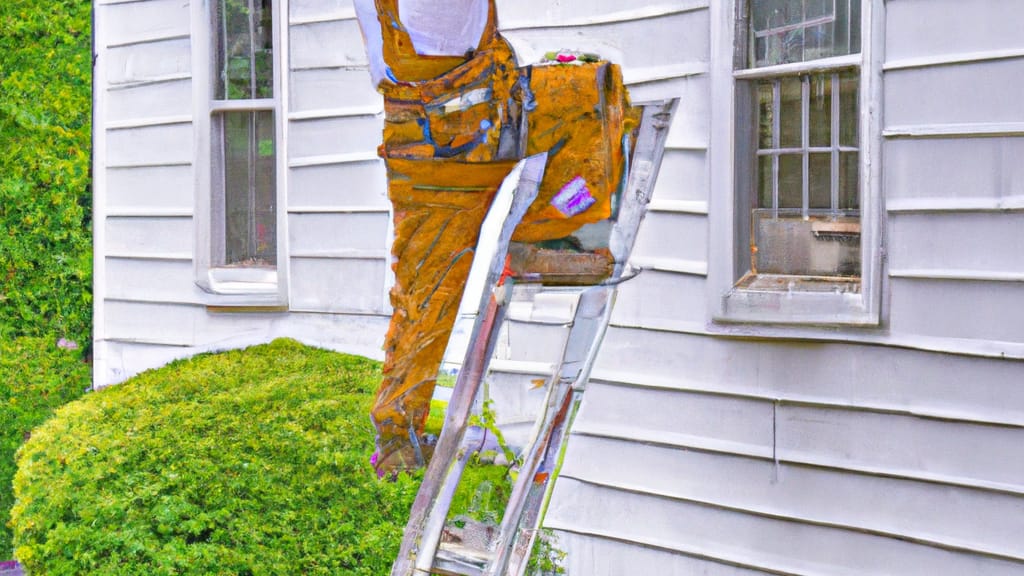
(45, 113)
(36, 377)
(245, 462)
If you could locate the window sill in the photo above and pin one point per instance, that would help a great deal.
(796, 300)
(242, 288)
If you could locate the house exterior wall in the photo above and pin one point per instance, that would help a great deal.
(700, 447)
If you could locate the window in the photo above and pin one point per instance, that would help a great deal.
(799, 167)
(239, 234)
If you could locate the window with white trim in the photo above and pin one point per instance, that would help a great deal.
(799, 188)
(240, 236)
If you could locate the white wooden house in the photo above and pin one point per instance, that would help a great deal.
(737, 423)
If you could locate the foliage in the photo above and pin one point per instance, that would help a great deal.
(36, 377)
(45, 95)
(245, 462)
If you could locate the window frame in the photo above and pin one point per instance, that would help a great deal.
(258, 287)
(735, 309)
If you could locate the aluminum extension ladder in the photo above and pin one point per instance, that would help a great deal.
(422, 553)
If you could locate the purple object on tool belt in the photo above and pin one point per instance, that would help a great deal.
(574, 198)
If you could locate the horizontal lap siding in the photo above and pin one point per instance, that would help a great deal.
(338, 211)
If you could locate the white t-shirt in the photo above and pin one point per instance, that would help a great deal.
(436, 28)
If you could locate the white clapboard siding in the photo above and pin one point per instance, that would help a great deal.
(513, 14)
(954, 169)
(125, 359)
(338, 234)
(881, 378)
(146, 21)
(688, 233)
(690, 127)
(958, 309)
(662, 299)
(954, 452)
(340, 89)
(635, 43)
(597, 556)
(150, 61)
(946, 515)
(972, 243)
(156, 188)
(722, 423)
(766, 542)
(683, 177)
(328, 44)
(151, 280)
(150, 145)
(152, 237)
(926, 29)
(172, 99)
(970, 93)
(337, 285)
(353, 184)
(312, 10)
(329, 137)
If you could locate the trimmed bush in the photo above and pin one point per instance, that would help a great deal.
(245, 462)
(45, 240)
(36, 377)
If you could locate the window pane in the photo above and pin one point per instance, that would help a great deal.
(243, 48)
(784, 31)
(766, 115)
(820, 180)
(764, 181)
(791, 181)
(848, 109)
(849, 181)
(819, 244)
(821, 110)
(791, 113)
(249, 224)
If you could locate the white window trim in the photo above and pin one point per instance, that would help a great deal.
(792, 313)
(236, 287)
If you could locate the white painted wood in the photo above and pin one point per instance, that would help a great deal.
(976, 241)
(672, 235)
(968, 453)
(155, 145)
(149, 236)
(744, 424)
(161, 100)
(644, 43)
(690, 125)
(582, 12)
(962, 93)
(958, 58)
(656, 296)
(958, 309)
(939, 514)
(959, 130)
(138, 22)
(922, 28)
(99, 201)
(683, 176)
(333, 88)
(855, 375)
(967, 204)
(746, 540)
(156, 188)
(132, 347)
(596, 556)
(327, 45)
(332, 285)
(313, 234)
(528, 341)
(150, 61)
(311, 10)
(334, 136)
(349, 184)
(137, 280)
(954, 168)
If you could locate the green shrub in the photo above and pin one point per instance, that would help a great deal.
(36, 377)
(45, 135)
(245, 462)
